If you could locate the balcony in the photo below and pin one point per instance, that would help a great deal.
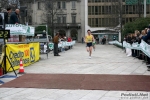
(67, 25)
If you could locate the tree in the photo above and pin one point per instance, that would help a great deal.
(128, 28)
(4, 4)
(138, 24)
(41, 28)
(117, 13)
(50, 13)
(26, 11)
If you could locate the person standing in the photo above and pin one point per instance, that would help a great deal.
(82, 40)
(89, 38)
(14, 17)
(97, 40)
(6, 14)
(56, 41)
(69, 40)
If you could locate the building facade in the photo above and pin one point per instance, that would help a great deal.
(66, 16)
(74, 17)
(103, 16)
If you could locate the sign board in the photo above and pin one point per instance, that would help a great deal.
(4, 34)
(19, 29)
(28, 52)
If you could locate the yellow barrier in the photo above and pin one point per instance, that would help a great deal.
(28, 52)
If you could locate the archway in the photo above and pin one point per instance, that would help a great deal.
(74, 34)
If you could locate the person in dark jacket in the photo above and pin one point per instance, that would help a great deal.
(6, 14)
(146, 38)
(14, 17)
(56, 41)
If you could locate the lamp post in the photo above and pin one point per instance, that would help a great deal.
(120, 21)
(144, 8)
(52, 18)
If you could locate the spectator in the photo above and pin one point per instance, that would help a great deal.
(6, 14)
(128, 50)
(133, 39)
(97, 40)
(56, 41)
(104, 40)
(146, 38)
(69, 39)
(82, 40)
(14, 17)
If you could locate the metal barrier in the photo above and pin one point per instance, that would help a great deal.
(143, 46)
(62, 44)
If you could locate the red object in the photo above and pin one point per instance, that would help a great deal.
(69, 39)
(21, 69)
(1, 71)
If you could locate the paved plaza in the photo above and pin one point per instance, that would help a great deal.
(106, 59)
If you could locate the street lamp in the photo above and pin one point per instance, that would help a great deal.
(144, 8)
(120, 22)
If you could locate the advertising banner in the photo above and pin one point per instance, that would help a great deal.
(28, 52)
(19, 29)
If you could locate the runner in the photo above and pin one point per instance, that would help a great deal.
(88, 40)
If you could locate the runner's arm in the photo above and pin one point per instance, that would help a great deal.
(93, 38)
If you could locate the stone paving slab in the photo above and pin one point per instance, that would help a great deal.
(106, 59)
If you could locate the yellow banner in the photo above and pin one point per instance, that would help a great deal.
(28, 52)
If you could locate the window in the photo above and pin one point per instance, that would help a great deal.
(64, 19)
(103, 11)
(89, 10)
(96, 10)
(89, 21)
(73, 4)
(64, 5)
(96, 22)
(92, 10)
(58, 19)
(89, 0)
(39, 5)
(73, 18)
(58, 5)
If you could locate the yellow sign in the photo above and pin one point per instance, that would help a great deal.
(28, 52)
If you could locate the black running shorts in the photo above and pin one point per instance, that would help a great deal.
(89, 44)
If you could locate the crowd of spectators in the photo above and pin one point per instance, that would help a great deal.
(136, 37)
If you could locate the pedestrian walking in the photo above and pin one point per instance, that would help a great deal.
(89, 38)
